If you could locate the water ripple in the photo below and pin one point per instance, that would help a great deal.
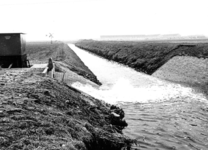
(160, 115)
(168, 125)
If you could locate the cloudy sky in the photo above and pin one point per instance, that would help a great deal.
(72, 19)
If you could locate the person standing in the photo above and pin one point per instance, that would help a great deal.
(51, 67)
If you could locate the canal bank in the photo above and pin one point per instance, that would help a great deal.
(160, 114)
(38, 112)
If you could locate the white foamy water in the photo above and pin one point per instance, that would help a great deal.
(123, 84)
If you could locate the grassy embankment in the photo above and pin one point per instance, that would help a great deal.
(40, 113)
(39, 52)
(146, 57)
(149, 56)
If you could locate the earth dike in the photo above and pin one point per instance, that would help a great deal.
(39, 113)
(144, 56)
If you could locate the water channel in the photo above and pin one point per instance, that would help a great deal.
(160, 114)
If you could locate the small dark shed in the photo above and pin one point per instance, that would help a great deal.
(13, 50)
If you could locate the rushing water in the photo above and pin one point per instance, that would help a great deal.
(161, 115)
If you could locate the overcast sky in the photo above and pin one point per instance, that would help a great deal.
(71, 19)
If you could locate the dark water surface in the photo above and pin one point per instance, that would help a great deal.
(180, 124)
(160, 115)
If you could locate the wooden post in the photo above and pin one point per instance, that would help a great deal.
(10, 66)
(63, 76)
(52, 71)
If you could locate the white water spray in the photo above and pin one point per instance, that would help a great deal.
(123, 84)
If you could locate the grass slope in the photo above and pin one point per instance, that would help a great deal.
(184, 69)
(39, 113)
(39, 52)
(146, 56)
